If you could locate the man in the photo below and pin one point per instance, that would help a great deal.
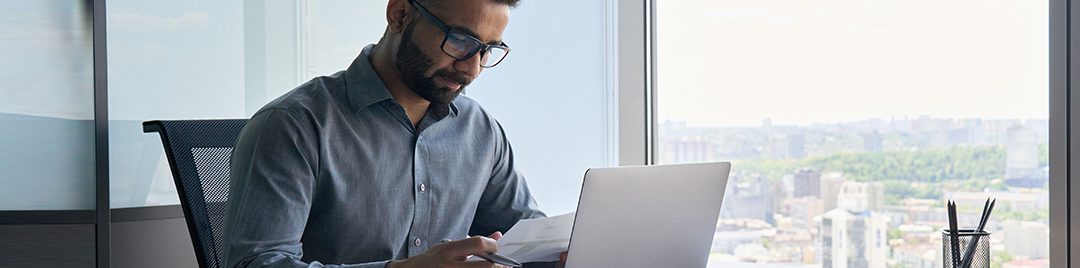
(374, 166)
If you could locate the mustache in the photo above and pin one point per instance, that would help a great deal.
(458, 78)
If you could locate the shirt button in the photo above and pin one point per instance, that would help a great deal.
(416, 242)
(423, 187)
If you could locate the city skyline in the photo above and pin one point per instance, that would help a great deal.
(869, 193)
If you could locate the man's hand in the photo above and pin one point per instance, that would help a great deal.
(562, 259)
(453, 254)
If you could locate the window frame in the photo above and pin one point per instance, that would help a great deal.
(636, 90)
(1063, 122)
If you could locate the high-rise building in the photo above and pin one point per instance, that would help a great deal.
(875, 191)
(753, 197)
(852, 239)
(852, 235)
(859, 196)
(802, 211)
(1021, 153)
(807, 182)
(960, 135)
(1027, 239)
(796, 146)
(787, 185)
(786, 146)
(854, 196)
(688, 150)
(873, 142)
(830, 188)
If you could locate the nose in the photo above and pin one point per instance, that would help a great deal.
(470, 67)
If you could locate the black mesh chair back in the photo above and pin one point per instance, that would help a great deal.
(198, 152)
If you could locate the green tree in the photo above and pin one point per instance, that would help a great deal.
(932, 165)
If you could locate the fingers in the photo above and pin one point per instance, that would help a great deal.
(562, 259)
(461, 249)
(496, 235)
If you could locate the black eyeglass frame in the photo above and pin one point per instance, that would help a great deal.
(485, 48)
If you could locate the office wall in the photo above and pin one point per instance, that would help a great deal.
(47, 245)
(46, 107)
(151, 237)
(225, 59)
(46, 134)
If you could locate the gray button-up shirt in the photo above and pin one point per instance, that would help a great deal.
(333, 174)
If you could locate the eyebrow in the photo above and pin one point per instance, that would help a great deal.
(471, 33)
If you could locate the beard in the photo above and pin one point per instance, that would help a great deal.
(412, 63)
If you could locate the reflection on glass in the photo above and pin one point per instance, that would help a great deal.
(167, 60)
(46, 106)
(213, 59)
(205, 59)
(849, 124)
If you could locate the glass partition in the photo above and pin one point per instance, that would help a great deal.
(46, 105)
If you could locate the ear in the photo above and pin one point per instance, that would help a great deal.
(396, 13)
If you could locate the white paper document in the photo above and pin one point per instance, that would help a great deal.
(536, 240)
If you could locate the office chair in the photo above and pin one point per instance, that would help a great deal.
(198, 152)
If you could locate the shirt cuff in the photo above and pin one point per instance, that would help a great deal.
(378, 264)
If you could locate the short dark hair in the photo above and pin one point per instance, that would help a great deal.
(511, 3)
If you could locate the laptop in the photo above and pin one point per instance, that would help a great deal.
(648, 216)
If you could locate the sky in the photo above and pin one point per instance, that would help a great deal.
(738, 62)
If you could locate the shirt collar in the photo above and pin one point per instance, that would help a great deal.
(365, 88)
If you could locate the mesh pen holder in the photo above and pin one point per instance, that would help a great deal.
(981, 258)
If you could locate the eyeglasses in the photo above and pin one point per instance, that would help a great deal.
(462, 46)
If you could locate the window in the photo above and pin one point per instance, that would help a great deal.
(557, 108)
(172, 60)
(849, 123)
(534, 94)
(167, 60)
(215, 59)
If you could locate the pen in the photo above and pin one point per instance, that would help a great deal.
(499, 259)
(954, 235)
(493, 257)
(969, 256)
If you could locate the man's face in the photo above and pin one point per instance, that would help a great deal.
(426, 69)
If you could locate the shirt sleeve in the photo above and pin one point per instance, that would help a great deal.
(272, 173)
(506, 198)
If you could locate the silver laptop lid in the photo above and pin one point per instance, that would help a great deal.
(651, 216)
